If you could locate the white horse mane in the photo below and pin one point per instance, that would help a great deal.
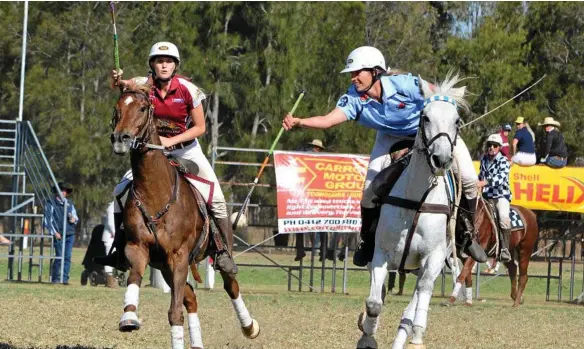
(446, 88)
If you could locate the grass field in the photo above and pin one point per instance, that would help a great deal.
(49, 316)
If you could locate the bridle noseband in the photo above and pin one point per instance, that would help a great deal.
(428, 142)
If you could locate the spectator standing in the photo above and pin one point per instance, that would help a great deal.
(554, 152)
(4, 241)
(506, 149)
(523, 144)
(55, 211)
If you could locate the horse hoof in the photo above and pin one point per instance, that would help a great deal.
(129, 322)
(360, 322)
(367, 342)
(252, 331)
(415, 346)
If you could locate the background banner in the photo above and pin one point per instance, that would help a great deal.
(542, 188)
(319, 192)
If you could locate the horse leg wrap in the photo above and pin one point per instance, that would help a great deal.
(195, 330)
(370, 325)
(241, 311)
(132, 296)
(177, 337)
(456, 289)
(468, 295)
(373, 307)
(406, 325)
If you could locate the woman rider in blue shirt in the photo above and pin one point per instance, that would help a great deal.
(390, 104)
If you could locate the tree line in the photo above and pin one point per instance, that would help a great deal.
(252, 59)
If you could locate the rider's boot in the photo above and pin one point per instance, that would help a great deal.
(116, 259)
(469, 245)
(366, 247)
(223, 260)
(505, 256)
(381, 186)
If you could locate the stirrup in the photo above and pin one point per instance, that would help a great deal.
(223, 262)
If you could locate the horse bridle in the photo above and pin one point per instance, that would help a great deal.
(428, 142)
(140, 140)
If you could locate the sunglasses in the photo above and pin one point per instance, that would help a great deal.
(492, 145)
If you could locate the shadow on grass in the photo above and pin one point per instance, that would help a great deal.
(7, 346)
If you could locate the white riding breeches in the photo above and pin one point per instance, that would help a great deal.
(503, 208)
(524, 159)
(380, 158)
(108, 246)
(205, 181)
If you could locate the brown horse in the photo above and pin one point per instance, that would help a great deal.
(521, 244)
(163, 225)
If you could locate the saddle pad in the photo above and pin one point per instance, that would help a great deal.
(516, 222)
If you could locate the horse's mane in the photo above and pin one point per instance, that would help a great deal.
(446, 88)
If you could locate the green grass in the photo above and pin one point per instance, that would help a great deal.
(45, 316)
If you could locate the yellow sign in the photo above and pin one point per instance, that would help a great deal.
(543, 188)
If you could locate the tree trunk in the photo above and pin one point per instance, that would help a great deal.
(215, 119)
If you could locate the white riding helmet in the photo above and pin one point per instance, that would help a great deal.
(164, 48)
(495, 138)
(365, 57)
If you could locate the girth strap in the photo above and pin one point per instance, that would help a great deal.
(419, 207)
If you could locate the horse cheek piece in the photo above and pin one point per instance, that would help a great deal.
(175, 237)
(412, 226)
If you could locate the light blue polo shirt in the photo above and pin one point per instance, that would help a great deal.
(398, 115)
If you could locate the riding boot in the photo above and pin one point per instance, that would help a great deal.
(470, 245)
(223, 260)
(505, 256)
(117, 258)
(366, 247)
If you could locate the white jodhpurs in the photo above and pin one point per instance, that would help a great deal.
(524, 159)
(380, 158)
(206, 181)
(503, 208)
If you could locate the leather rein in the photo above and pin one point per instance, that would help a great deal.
(421, 206)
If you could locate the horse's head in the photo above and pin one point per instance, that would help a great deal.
(132, 120)
(439, 123)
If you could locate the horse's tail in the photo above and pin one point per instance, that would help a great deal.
(195, 272)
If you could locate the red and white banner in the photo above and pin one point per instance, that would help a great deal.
(319, 192)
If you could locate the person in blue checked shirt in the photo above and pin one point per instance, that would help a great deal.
(494, 181)
(54, 213)
(390, 103)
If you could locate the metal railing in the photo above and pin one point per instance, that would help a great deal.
(32, 186)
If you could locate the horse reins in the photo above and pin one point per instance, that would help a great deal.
(421, 206)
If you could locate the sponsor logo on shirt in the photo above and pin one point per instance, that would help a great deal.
(178, 100)
(343, 102)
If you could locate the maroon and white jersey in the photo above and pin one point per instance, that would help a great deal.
(173, 112)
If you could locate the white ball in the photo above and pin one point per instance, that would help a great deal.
(242, 223)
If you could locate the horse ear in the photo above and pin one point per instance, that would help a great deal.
(426, 91)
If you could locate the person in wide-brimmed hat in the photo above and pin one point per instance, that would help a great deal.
(505, 148)
(555, 152)
(316, 145)
(523, 144)
(56, 211)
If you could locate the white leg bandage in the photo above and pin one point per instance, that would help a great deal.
(469, 295)
(195, 330)
(177, 334)
(456, 289)
(132, 296)
(241, 311)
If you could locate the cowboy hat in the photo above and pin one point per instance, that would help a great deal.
(549, 121)
(519, 120)
(64, 186)
(317, 143)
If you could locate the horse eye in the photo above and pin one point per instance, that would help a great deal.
(143, 109)
(458, 121)
(426, 118)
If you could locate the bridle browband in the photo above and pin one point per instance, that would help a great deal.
(428, 142)
(140, 140)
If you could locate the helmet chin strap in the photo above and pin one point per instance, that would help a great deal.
(373, 81)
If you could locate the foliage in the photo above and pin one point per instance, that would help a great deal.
(252, 59)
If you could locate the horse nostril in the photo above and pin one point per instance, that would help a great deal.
(437, 161)
(113, 137)
(125, 138)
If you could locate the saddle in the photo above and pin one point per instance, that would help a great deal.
(386, 178)
(184, 166)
